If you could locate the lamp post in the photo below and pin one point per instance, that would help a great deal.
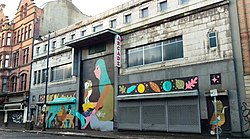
(46, 85)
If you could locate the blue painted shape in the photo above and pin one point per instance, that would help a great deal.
(81, 118)
(167, 86)
(130, 89)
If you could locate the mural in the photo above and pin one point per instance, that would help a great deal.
(17, 118)
(180, 84)
(98, 97)
(60, 111)
(223, 116)
(215, 79)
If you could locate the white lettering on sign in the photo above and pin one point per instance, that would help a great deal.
(117, 51)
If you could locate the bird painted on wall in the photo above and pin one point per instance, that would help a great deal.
(87, 90)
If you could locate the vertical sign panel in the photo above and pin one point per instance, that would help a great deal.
(117, 51)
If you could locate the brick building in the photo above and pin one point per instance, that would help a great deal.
(15, 53)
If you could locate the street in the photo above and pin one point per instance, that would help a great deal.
(25, 135)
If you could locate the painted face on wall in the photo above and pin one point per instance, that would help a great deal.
(97, 72)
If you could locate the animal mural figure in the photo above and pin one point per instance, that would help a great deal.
(220, 116)
(99, 114)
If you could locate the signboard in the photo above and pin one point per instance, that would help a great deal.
(117, 48)
(213, 93)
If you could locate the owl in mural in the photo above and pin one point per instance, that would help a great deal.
(87, 90)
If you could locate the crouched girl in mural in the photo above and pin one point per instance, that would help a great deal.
(99, 114)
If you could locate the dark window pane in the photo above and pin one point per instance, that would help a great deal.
(152, 53)
(135, 57)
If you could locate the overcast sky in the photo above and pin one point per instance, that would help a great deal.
(89, 7)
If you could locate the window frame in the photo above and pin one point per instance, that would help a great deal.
(127, 18)
(212, 37)
(113, 23)
(142, 12)
(6, 61)
(160, 5)
(25, 55)
(4, 84)
(98, 27)
(13, 84)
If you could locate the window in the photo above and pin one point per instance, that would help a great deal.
(1, 61)
(73, 36)
(127, 18)
(54, 44)
(21, 12)
(8, 39)
(212, 39)
(63, 41)
(97, 48)
(2, 39)
(60, 72)
(18, 36)
(29, 32)
(25, 55)
(113, 23)
(13, 84)
(144, 12)
(97, 28)
(25, 33)
(4, 84)
(37, 50)
(22, 35)
(156, 52)
(6, 62)
(15, 38)
(23, 82)
(183, 1)
(83, 32)
(25, 10)
(39, 77)
(44, 75)
(45, 47)
(35, 77)
(15, 59)
(163, 6)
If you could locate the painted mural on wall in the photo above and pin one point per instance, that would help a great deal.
(98, 95)
(215, 79)
(60, 112)
(223, 116)
(180, 84)
(15, 118)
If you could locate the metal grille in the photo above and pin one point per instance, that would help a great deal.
(129, 115)
(183, 115)
(153, 115)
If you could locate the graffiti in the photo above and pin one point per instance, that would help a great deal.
(246, 116)
(181, 84)
(98, 114)
(17, 118)
(215, 79)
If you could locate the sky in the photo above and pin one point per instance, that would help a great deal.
(89, 7)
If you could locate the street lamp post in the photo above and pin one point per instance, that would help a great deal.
(46, 85)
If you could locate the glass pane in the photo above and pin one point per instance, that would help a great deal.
(144, 12)
(179, 50)
(152, 54)
(135, 57)
(163, 5)
(212, 42)
(173, 50)
(67, 72)
(212, 34)
(59, 74)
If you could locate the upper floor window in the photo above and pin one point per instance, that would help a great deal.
(23, 82)
(183, 1)
(163, 5)
(61, 72)
(13, 84)
(25, 55)
(83, 32)
(8, 39)
(25, 33)
(21, 12)
(4, 84)
(54, 44)
(63, 41)
(45, 47)
(212, 36)
(3, 39)
(18, 36)
(6, 61)
(22, 35)
(38, 76)
(156, 52)
(127, 18)
(44, 75)
(35, 77)
(144, 12)
(73, 36)
(97, 48)
(15, 39)
(15, 59)
(113, 23)
(97, 28)
(37, 50)
(29, 32)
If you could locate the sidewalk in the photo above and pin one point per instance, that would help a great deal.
(115, 135)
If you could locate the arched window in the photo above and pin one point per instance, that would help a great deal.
(21, 12)
(13, 84)
(23, 82)
(25, 10)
